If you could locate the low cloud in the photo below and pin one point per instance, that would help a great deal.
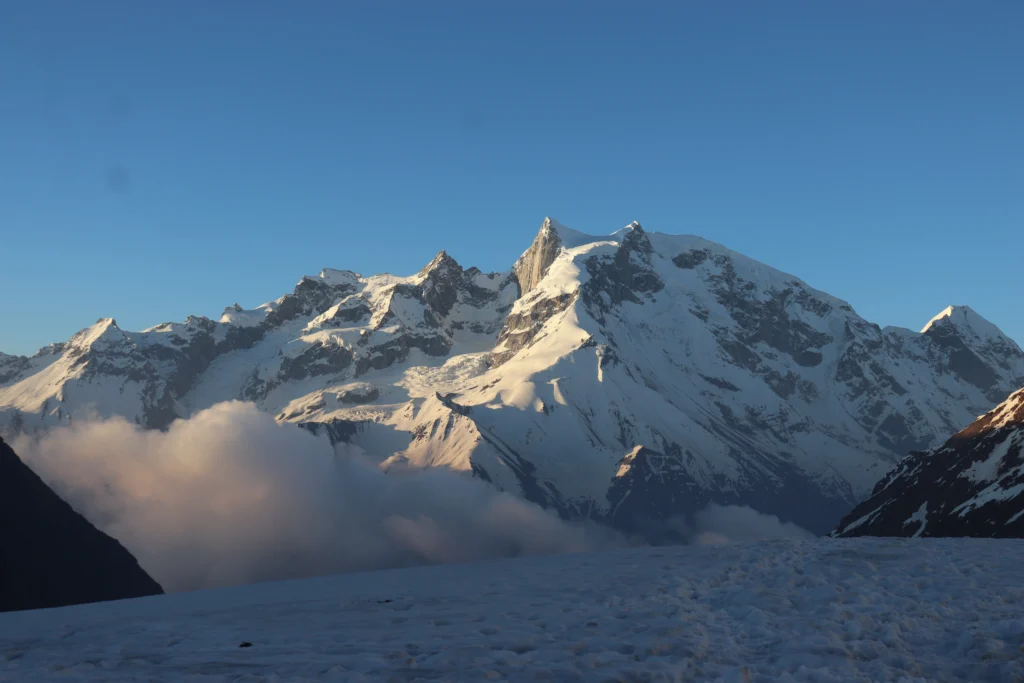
(230, 496)
(719, 524)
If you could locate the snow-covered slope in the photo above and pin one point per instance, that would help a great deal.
(827, 610)
(972, 486)
(629, 377)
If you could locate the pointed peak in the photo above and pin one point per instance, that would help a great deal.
(965, 322)
(632, 231)
(442, 261)
(635, 239)
(952, 314)
(104, 328)
(533, 264)
(551, 227)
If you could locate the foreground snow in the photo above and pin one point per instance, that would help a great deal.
(828, 610)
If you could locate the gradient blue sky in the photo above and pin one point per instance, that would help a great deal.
(162, 159)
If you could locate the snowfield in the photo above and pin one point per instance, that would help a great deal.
(824, 610)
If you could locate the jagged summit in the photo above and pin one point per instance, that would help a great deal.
(442, 261)
(533, 264)
(550, 223)
(339, 277)
(632, 227)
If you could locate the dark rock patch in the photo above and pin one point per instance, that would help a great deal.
(51, 556)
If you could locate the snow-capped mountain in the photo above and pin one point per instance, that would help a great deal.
(973, 485)
(630, 377)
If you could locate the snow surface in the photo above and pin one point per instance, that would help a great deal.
(826, 610)
(920, 518)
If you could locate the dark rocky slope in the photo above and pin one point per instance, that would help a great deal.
(971, 486)
(51, 556)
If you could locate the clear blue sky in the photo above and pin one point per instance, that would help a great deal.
(165, 158)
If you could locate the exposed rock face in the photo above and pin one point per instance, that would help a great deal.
(630, 378)
(523, 325)
(973, 485)
(51, 556)
(532, 266)
(626, 276)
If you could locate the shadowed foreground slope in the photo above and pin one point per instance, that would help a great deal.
(971, 486)
(51, 556)
(823, 610)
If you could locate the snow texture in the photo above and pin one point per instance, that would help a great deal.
(825, 610)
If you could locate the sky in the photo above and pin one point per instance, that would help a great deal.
(165, 159)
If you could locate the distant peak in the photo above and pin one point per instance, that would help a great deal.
(335, 277)
(633, 229)
(953, 314)
(634, 239)
(104, 328)
(550, 232)
(442, 260)
(966, 323)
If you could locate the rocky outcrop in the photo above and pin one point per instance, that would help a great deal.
(51, 556)
(973, 485)
(532, 266)
(524, 324)
(626, 276)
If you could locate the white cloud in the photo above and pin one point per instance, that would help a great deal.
(717, 524)
(230, 496)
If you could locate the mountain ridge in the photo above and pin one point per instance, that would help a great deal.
(972, 485)
(708, 371)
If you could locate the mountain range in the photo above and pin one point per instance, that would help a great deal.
(630, 378)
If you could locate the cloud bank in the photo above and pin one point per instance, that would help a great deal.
(718, 524)
(230, 496)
